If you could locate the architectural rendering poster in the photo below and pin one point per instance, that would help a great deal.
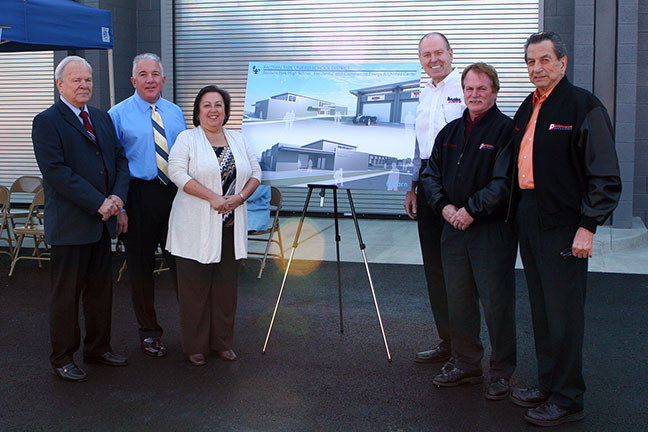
(347, 124)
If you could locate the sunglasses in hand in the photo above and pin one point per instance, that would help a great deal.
(567, 252)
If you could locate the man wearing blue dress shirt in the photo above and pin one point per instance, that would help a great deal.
(147, 126)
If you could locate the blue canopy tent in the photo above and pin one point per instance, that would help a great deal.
(44, 25)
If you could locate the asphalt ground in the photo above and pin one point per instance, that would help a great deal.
(312, 377)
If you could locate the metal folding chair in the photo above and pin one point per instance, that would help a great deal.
(34, 228)
(4, 220)
(275, 201)
(25, 186)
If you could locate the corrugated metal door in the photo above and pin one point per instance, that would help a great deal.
(26, 88)
(215, 40)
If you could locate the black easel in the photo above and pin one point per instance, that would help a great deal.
(334, 188)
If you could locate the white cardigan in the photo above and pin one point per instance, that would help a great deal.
(195, 228)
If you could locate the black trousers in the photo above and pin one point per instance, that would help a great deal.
(148, 207)
(80, 272)
(430, 226)
(557, 295)
(207, 298)
(479, 266)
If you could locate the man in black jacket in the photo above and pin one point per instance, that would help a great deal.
(565, 183)
(467, 182)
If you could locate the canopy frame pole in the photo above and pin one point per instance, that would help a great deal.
(111, 77)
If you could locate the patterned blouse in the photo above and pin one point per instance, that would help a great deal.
(228, 177)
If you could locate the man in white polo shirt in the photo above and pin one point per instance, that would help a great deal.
(441, 101)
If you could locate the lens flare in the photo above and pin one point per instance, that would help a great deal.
(310, 250)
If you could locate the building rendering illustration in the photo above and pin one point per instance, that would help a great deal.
(293, 105)
(389, 103)
(324, 155)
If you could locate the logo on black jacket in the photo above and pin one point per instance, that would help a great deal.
(559, 127)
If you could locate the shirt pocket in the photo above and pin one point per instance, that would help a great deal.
(451, 111)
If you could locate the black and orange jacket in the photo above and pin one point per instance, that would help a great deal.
(575, 165)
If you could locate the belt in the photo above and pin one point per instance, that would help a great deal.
(154, 181)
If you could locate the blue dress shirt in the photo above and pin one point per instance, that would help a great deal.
(132, 119)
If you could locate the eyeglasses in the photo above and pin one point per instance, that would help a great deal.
(566, 253)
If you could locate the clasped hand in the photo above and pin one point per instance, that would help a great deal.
(225, 203)
(459, 218)
(111, 206)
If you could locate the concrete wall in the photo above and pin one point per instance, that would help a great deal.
(582, 58)
(626, 107)
(559, 18)
(627, 47)
(640, 193)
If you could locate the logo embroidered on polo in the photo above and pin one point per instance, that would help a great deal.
(559, 127)
(484, 146)
(454, 100)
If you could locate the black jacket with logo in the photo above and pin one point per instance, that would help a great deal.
(474, 174)
(575, 166)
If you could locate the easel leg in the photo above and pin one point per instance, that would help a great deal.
(337, 251)
(364, 257)
(292, 253)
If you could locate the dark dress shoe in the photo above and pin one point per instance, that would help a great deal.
(528, 397)
(197, 359)
(154, 347)
(449, 365)
(436, 355)
(550, 414)
(228, 355)
(456, 377)
(498, 389)
(108, 358)
(70, 372)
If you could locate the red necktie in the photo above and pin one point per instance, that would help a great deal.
(88, 125)
(89, 128)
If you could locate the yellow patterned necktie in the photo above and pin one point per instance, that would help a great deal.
(161, 146)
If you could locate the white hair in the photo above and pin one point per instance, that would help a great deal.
(58, 72)
(146, 56)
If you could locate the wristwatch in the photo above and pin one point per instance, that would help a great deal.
(242, 197)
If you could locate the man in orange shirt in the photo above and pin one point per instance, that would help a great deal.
(565, 183)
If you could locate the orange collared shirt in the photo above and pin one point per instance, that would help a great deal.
(525, 158)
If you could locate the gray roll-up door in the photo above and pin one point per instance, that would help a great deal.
(215, 40)
(26, 88)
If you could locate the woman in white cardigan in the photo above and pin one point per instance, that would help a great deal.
(215, 172)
